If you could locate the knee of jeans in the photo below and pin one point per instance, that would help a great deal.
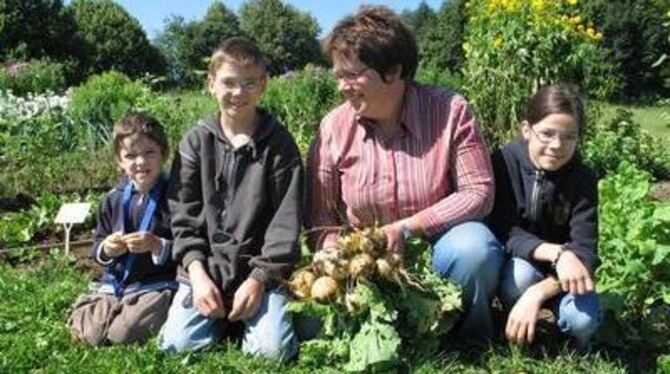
(468, 248)
(518, 275)
(580, 316)
(272, 346)
(175, 341)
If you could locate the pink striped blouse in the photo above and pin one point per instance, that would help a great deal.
(436, 169)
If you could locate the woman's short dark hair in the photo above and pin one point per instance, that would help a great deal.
(378, 37)
(560, 98)
(135, 124)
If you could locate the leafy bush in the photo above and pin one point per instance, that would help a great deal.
(634, 250)
(512, 47)
(609, 144)
(102, 100)
(113, 40)
(300, 100)
(442, 39)
(439, 77)
(187, 45)
(35, 76)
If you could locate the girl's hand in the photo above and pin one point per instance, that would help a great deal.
(247, 299)
(206, 295)
(573, 275)
(113, 245)
(522, 318)
(142, 242)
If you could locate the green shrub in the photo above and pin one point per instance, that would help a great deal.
(102, 100)
(438, 77)
(608, 144)
(634, 250)
(512, 47)
(300, 100)
(35, 76)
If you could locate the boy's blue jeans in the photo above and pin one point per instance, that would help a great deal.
(577, 315)
(269, 333)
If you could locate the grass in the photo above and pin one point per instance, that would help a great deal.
(654, 118)
(35, 301)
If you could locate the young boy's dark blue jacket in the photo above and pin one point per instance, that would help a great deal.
(110, 220)
(533, 206)
(238, 211)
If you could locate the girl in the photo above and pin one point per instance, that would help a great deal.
(545, 214)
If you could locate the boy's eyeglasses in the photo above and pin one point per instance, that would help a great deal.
(247, 86)
(548, 136)
(348, 76)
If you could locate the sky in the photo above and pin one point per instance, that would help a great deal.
(152, 13)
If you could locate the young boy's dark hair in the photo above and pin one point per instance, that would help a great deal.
(239, 50)
(135, 124)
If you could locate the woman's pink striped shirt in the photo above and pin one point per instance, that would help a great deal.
(437, 168)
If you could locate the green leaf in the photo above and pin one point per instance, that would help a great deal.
(375, 346)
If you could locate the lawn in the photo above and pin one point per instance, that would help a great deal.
(35, 301)
(654, 118)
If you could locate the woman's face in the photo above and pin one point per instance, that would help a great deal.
(361, 86)
(552, 141)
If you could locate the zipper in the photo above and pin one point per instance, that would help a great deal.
(535, 195)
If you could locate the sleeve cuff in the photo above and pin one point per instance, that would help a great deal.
(262, 276)
(164, 254)
(193, 255)
(100, 256)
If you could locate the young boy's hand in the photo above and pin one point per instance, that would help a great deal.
(142, 242)
(206, 295)
(522, 318)
(113, 245)
(247, 299)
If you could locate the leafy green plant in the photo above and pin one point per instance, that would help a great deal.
(608, 144)
(376, 321)
(512, 47)
(634, 250)
(300, 100)
(35, 76)
(104, 99)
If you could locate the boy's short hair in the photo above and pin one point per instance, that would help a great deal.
(134, 124)
(378, 37)
(236, 49)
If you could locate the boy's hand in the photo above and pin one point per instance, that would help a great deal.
(522, 318)
(206, 295)
(573, 275)
(142, 242)
(247, 299)
(113, 245)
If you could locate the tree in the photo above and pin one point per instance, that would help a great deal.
(634, 39)
(441, 43)
(113, 40)
(35, 29)
(286, 36)
(420, 20)
(186, 45)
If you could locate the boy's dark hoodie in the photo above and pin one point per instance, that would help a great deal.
(533, 206)
(238, 211)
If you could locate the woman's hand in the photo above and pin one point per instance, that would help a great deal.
(573, 275)
(522, 318)
(395, 242)
(206, 295)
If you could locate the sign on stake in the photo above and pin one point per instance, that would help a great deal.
(68, 215)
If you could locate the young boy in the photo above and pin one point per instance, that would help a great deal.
(236, 207)
(133, 240)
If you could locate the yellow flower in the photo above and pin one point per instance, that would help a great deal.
(576, 19)
(591, 32)
(498, 42)
(466, 47)
(598, 36)
(539, 5)
(573, 2)
(580, 27)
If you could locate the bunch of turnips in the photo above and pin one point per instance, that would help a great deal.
(333, 274)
